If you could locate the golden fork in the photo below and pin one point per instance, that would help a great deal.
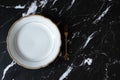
(66, 56)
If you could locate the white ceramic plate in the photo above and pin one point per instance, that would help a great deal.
(33, 41)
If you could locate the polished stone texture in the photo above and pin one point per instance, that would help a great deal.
(93, 39)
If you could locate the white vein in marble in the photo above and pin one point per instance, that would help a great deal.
(70, 6)
(106, 74)
(7, 68)
(15, 7)
(88, 39)
(66, 73)
(4, 6)
(88, 61)
(43, 3)
(19, 7)
(116, 61)
(76, 24)
(54, 9)
(53, 3)
(60, 12)
(32, 9)
(106, 71)
(76, 34)
(102, 15)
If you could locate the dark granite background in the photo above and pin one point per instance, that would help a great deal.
(93, 40)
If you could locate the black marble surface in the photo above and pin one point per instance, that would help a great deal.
(93, 40)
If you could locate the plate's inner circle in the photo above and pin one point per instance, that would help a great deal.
(34, 41)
